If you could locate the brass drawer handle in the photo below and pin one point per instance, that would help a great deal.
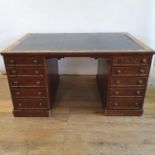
(116, 92)
(38, 82)
(117, 82)
(36, 72)
(140, 81)
(144, 60)
(12, 61)
(35, 61)
(138, 92)
(118, 71)
(141, 70)
(15, 82)
(19, 104)
(18, 93)
(13, 71)
(136, 103)
(39, 93)
(115, 104)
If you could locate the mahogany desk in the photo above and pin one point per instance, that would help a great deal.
(123, 69)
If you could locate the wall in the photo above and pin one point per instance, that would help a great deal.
(18, 17)
(152, 34)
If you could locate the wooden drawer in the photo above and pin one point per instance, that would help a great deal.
(126, 103)
(131, 60)
(26, 81)
(128, 82)
(23, 61)
(28, 92)
(16, 71)
(130, 71)
(127, 92)
(31, 104)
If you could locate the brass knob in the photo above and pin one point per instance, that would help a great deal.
(36, 72)
(138, 92)
(141, 70)
(39, 93)
(15, 82)
(38, 82)
(116, 104)
(136, 103)
(116, 92)
(12, 61)
(144, 60)
(19, 104)
(140, 81)
(35, 61)
(17, 93)
(118, 71)
(117, 82)
(13, 72)
(40, 104)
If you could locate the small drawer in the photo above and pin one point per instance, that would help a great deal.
(126, 103)
(116, 92)
(130, 71)
(26, 82)
(23, 61)
(16, 71)
(29, 92)
(131, 60)
(31, 104)
(128, 82)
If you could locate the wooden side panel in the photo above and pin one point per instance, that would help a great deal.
(53, 79)
(102, 78)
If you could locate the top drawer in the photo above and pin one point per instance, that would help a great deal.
(23, 61)
(131, 60)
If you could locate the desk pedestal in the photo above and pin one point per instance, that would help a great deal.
(122, 82)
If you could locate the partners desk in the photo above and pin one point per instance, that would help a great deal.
(123, 69)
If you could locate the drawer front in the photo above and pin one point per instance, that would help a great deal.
(131, 60)
(130, 71)
(14, 71)
(127, 92)
(128, 82)
(28, 92)
(26, 81)
(23, 61)
(31, 104)
(125, 103)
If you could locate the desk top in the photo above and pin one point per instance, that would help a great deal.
(77, 42)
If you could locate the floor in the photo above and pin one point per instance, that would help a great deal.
(77, 125)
